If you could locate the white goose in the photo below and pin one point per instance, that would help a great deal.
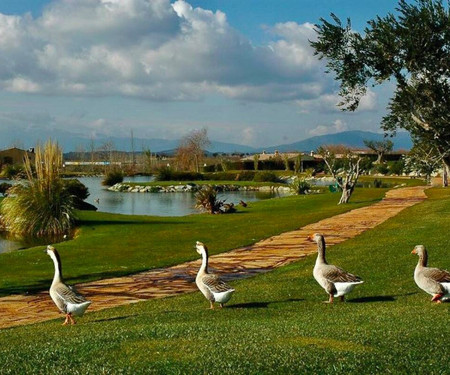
(335, 281)
(434, 281)
(65, 298)
(214, 289)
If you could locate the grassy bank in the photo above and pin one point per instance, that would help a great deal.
(275, 323)
(110, 245)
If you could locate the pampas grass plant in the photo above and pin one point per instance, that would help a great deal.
(40, 206)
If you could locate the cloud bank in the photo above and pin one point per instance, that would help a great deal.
(156, 50)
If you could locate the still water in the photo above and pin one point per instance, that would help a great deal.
(158, 204)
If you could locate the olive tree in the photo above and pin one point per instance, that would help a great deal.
(345, 167)
(381, 148)
(409, 48)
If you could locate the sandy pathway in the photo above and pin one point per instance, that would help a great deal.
(263, 256)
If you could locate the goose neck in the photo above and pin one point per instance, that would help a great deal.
(321, 251)
(58, 269)
(204, 266)
(423, 259)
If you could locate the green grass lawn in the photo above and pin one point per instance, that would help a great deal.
(275, 323)
(109, 245)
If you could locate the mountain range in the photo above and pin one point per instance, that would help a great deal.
(353, 138)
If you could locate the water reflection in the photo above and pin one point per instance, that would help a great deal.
(159, 204)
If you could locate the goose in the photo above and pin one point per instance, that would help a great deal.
(242, 203)
(65, 298)
(434, 281)
(212, 287)
(335, 281)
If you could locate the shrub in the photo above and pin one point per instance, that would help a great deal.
(112, 178)
(206, 200)
(300, 186)
(245, 176)
(382, 169)
(377, 183)
(396, 167)
(265, 177)
(4, 186)
(76, 188)
(12, 171)
(167, 174)
(41, 206)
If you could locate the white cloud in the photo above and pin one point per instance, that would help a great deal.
(337, 127)
(328, 103)
(155, 50)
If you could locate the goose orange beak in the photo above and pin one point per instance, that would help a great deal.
(310, 237)
(414, 251)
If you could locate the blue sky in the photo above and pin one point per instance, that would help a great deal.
(242, 69)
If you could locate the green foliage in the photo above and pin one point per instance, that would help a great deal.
(256, 162)
(286, 163)
(11, 171)
(409, 48)
(113, 177)
(168, 174)
(265, 177)
(298, 163)
(396, 167)
(75, 188)
(300, 186)
(4, 186)
(382, 169)
(230, 176)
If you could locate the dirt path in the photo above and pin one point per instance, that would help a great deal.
(263, 256)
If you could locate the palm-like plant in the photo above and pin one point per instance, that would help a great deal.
(40, 206)
(206, 199)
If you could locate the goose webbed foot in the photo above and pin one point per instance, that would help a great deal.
(67, 320)
(330, 300)
(211, 305)
(72, 321)
(221, 305)
(437, 298)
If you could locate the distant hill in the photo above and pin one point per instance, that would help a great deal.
(353, 138)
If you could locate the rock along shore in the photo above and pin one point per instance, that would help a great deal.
(192, 188)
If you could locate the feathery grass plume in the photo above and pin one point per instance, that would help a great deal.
(41, 205)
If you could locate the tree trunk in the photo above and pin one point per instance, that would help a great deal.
(446, 171)
(346, 193)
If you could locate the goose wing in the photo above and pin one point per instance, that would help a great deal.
(215, 284)
(436, 274)
(338, 275)
(68, 294)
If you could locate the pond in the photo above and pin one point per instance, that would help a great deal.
(158, 204)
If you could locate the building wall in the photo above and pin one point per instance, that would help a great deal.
(14, 156)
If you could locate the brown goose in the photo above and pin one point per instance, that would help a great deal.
(214, 289)
(335, 281)
(434, 281)
(65, 298)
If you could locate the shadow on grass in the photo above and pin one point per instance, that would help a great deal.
(261, 305)
(94, 223)
(371, 299)
(112, 319)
